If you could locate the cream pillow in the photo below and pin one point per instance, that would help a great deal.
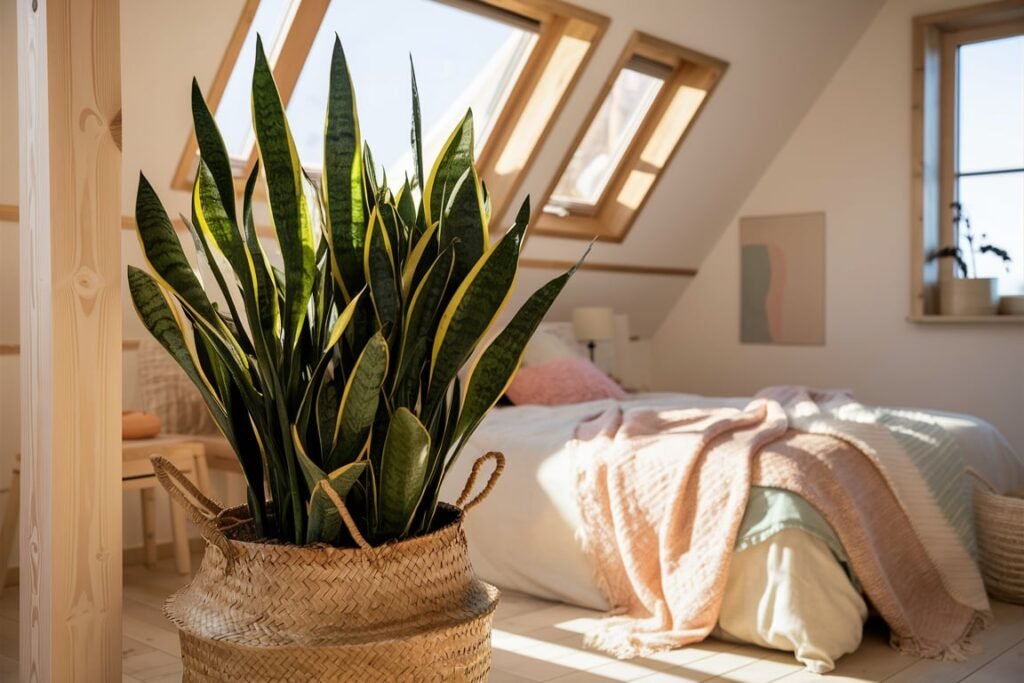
(790, 593)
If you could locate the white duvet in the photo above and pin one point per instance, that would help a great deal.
(788, 593)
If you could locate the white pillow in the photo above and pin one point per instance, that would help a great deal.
(545, 347)
(790, 593)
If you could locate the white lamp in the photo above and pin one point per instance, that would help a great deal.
(592, 324)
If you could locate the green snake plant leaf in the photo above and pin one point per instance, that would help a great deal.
(421, 316)
(159, 316)
(455, 159)
(474, 307)
(496, 365)
(371, 189)
(394, 227)
(265, 287)
(218, 227)
(379, 264)
(407, 212)
(403, 472)
(209, 254)
(311, 472)
(417, 127)
(359, 403)
(325, 524)
(163, 251)
(465, 223)
(423, 252)
(326, 413)
(213, 152)
(315, 382)
(343, 177)
(288, 209)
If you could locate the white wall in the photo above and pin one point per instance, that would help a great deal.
(781, 53)
(850, 157)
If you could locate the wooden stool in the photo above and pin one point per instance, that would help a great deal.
(136, 475)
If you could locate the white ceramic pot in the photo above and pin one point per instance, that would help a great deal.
(970, 296)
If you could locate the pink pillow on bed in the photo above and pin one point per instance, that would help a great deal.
(561, 381)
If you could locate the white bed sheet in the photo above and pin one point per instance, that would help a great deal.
(524, 537)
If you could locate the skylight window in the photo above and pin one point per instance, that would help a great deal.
(608, 136)
(649, 103)
(513, 62)
(271, 21)
(463, 60)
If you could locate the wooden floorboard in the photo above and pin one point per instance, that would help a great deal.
(536, 640)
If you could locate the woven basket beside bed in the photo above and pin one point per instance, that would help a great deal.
(260, 612)
(999, 521)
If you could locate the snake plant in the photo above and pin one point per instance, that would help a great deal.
(336, 377)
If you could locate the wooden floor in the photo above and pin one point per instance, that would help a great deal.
(541, 641)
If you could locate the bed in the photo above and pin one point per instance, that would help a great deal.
(788, 588)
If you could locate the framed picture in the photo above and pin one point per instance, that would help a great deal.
(782, 279)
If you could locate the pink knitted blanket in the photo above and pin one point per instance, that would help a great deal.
(662, 495)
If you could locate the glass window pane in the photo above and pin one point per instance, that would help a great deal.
(233, 117)
(991, 105)
(995, 206)
(463, 61)
(607, 138)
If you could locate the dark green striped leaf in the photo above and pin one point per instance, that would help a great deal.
(265, 287)
(455, 159)
(163, 250)
(343, 176)
(464, 224)
(417, 127)
(474, 307)
(420, 323)
(217, 226)
(403, 472)
(213, 151)
(500, 360)
(359, 402)
(380, 271)
(157, 314)
(288, 208)
(325, 525)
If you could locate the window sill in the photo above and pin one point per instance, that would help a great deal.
(966, 319)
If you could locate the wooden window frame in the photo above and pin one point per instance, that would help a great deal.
(609, 220)
(936, 38)
(557, 20)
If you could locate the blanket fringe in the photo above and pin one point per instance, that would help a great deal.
(957, 651)
(617, 635)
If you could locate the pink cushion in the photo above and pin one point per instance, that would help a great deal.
(561, 381)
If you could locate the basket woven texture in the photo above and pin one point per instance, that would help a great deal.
(404, 611)
(1000, 530)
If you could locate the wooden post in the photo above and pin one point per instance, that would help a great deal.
(69, 100)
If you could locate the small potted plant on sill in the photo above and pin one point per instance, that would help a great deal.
(336, 379)
(966, 295)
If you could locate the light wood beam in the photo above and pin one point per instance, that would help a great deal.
(69, 99)
(8, 212)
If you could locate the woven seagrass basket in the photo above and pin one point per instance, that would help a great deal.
(260, 612)
(999, 521)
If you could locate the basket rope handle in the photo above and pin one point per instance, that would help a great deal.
(499, 467)
(206, 513)
(350, 523)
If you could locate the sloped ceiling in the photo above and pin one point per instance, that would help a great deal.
(781, 54)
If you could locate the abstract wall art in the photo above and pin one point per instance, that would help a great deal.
(782, 279)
